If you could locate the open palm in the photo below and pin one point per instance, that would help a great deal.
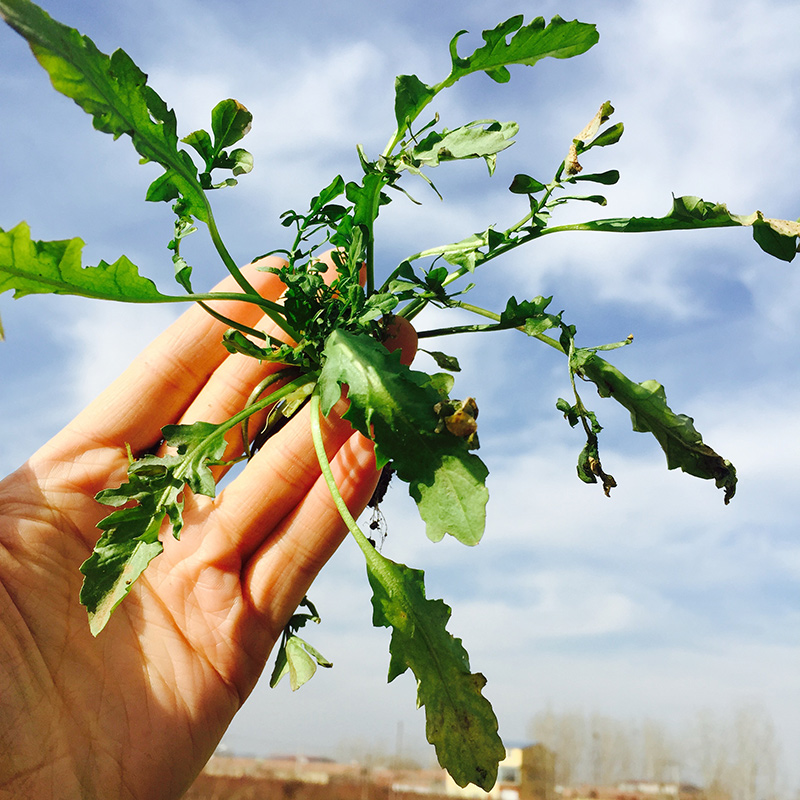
(136, 712)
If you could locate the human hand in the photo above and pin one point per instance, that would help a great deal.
(136, 712)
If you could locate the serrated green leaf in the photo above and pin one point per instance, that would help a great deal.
(33, 267)
(130, 535)
(115, 92)
(459, 721)
(110, 572)
(530, 315)
(647, 404)
(480, 139)
(777, 237)
(527, 45)
(198, 445)
(363, 195)
(129, 541)
(394, 406)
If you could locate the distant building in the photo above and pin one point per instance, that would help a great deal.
(526, 773)
(637, 790)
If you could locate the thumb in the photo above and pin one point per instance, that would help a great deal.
(399, 334)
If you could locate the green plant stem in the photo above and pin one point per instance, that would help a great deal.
(272, 310)
(232, 323)
(370, 259)
(254, 395)
(226, 257)
(485, 328)
(224, 427)
(581, 408)
(434, 332)
(327, 473)
(278, 394)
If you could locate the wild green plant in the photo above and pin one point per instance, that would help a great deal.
(333, 331)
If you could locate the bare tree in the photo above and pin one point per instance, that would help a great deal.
(565, 735)
(660, 760)
(612, 749)
(735, 757)
(755, 754)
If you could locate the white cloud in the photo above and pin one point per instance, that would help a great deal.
(105, 338)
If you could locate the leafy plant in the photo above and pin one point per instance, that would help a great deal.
(333, 330)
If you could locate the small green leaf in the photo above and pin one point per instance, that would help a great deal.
(411, 96)
(443, 360)
(333, 190)
(236, 342)
(590, 468)
(608, 137)
(594, 198)
(606, 178)
(778, 238)
(394, 406)
(230, 122)
(459, 720)
(299, 660)
(530, 315)
(32, 267)
(239, 161)
(524, 184)
(201, 142)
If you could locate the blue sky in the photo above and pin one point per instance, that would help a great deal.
(659, 602)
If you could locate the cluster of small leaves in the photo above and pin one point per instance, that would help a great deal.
(230, 122)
